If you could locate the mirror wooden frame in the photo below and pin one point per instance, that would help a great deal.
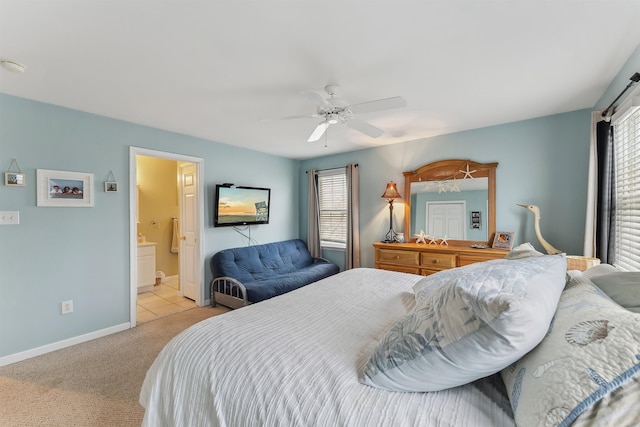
(445, 170)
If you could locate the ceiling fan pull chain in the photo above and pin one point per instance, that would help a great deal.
(326, 137)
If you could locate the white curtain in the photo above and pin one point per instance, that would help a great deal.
(592, 189)
(352, 252)
(313, 215)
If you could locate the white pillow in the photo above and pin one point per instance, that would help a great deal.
(430, 283)
(592, 349)
(473, 325)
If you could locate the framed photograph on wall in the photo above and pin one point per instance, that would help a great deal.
(503, 240)
(14, 179)
(475, 220)
(110, 187)
(64, 189)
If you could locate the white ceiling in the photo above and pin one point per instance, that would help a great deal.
(216, 69)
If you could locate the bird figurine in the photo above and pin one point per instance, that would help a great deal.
(536, 215)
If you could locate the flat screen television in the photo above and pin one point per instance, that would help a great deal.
(241, 205)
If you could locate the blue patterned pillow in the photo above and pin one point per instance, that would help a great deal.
(470, 326)
(591, 350)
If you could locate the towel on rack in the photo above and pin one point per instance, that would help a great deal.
(174, 239)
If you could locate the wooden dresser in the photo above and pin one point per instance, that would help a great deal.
(418, 258)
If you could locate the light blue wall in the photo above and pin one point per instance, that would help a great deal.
(56, 254)
(541, 161)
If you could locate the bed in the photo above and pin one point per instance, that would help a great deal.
(304, 358)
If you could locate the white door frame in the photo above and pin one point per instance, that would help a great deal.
(133, 221)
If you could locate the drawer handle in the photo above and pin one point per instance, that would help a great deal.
(397, 256)
(435, 261)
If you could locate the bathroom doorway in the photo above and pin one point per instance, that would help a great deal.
(166, 218)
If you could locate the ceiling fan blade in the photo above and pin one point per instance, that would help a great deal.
(318, 132)
(316, 97)
(380, 104)
(305, 116)
(364, 127)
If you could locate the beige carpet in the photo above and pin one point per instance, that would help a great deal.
(96, 383)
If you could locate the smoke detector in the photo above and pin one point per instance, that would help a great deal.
(13, 66)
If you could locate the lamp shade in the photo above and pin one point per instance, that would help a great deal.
(391, 192)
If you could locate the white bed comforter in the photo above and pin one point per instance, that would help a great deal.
(294, 360)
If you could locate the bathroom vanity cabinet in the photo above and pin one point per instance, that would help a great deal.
(146, 266)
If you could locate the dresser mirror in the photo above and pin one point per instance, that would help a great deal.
(453, 198)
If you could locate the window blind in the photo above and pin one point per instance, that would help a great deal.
(332, 200)
(627, 190)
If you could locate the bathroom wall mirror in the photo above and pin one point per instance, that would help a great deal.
(453, 198)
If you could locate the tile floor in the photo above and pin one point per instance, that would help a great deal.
(162, 301)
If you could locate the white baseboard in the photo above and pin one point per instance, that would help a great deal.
(174, 277)
(144, 289)
(38, 351)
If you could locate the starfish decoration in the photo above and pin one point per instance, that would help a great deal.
(467, 173)
(442, 187)
(455, 187)
(432, 240)
(443, 241)
(420, 237)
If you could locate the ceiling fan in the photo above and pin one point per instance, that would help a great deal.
(332, 110)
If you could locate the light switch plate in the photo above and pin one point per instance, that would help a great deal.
(9, 217)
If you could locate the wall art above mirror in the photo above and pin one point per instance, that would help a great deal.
(452, 198)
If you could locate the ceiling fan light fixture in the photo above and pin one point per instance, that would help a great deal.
(333, 118)
(334, 110)
(12, 66)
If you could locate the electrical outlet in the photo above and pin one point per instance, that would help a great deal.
(67, 307)
(9, 217)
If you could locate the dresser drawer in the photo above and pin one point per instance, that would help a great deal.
(399, 268)
(472, 259)
(437, 261)
(398, 257)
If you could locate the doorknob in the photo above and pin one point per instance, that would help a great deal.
(183, 238)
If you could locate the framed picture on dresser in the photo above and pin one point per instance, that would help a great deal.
(503, 240)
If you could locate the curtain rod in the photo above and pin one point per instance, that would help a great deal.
(634, 79)
(330, 169)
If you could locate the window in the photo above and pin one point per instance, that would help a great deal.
(332, 200)
(626, 141)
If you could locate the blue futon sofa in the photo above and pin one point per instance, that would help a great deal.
(250, 274)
